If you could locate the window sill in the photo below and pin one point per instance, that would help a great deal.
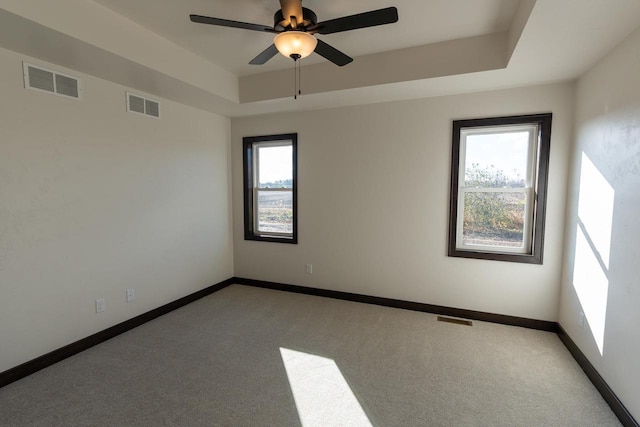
(273, 239)
(496, 256)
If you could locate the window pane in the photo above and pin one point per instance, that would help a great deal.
(275, 211)
(496, 160)
(494, 219)
(274, 170)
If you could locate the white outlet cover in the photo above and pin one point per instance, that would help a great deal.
(131, 295)
(101, 305)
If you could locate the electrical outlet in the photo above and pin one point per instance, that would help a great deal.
(581, 319)
(131, 294)
(309, 269)
(101, 305)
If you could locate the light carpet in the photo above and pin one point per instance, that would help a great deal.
(247, 356)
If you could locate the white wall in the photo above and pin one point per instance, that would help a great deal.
(94, 200)
(602, 264)
(374, 197)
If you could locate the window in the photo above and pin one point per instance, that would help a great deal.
(270, 196)
(499, 173)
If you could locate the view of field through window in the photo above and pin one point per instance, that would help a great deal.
(274, 189)
(275, 211)
(495, 193)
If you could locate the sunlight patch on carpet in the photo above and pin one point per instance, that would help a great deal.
(321, 393)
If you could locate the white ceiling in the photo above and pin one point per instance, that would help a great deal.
(438, 47)
(420, 22)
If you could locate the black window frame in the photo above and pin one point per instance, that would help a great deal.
(248, 183)
(543, 121)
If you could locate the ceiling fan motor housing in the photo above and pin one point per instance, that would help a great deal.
(309, 19)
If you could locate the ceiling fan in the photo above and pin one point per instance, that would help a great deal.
(295, 27)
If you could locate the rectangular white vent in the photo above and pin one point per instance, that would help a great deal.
(142, 105)
(42, 79)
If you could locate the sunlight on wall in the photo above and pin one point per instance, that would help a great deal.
(595, 208)
(593, 246)
(592, 286)
(322, 395)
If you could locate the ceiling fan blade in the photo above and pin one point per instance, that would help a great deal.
(229, 23)
(266, 55)
(388, 15)
(292, 8)
(332, 54)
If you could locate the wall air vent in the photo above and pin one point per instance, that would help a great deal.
(142, 105)
(45, 80)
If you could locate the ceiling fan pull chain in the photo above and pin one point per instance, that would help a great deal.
(299, 78)
(296, 77)
(295, 80)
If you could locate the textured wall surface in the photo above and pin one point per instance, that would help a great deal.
(95, 200)
(600, 277)
(374, 204)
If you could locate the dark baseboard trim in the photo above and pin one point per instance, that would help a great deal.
(32, 366)
(407, 305)
(28, 368)
(601, 385)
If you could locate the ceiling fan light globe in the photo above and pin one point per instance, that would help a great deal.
(295, 43)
